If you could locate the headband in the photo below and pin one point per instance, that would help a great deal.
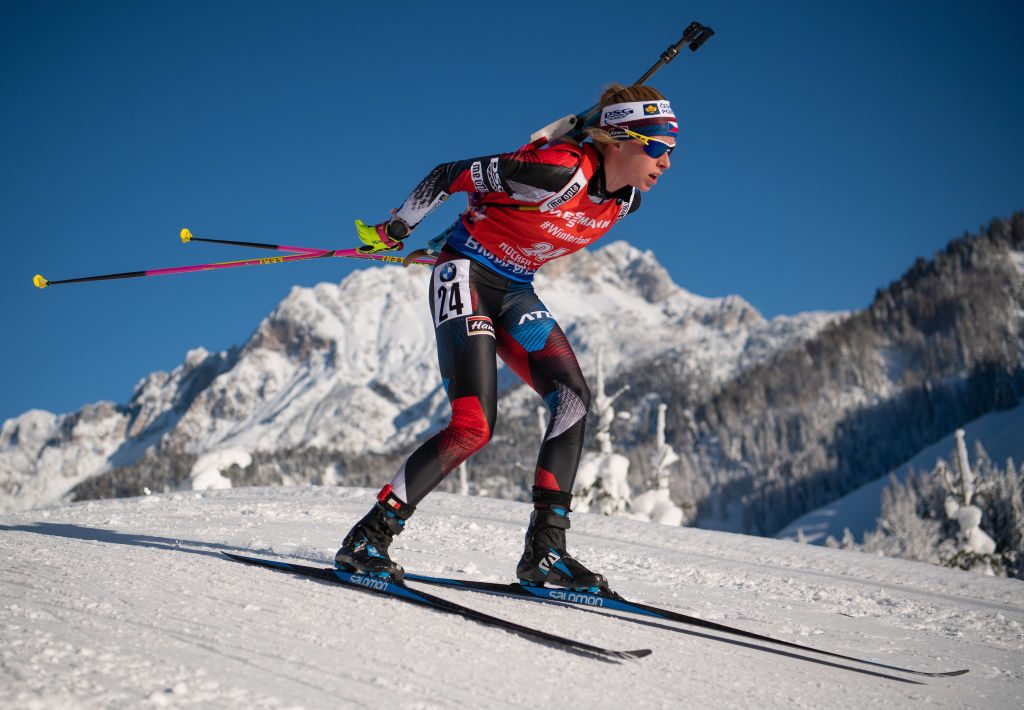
(651, 118)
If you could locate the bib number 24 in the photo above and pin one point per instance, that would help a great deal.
(451, 291)
(449, 302)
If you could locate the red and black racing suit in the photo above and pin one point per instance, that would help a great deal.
(525, 208)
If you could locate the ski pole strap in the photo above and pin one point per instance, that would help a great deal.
(417, 254)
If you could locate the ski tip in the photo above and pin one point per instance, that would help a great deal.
(639, 653)
(186, 236)
(39, 281)
(242, 558)
(950, 674)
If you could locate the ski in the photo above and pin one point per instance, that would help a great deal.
(403, 593)
(614, 602)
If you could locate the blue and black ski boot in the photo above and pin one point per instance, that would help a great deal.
(365, 548)
(545, 559)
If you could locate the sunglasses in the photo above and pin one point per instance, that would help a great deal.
(652, 146)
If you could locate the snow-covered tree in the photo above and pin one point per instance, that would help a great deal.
(975, 547)
(958, 516)
(656, 505)
(602, 404)
(906, 529)
(602, 479)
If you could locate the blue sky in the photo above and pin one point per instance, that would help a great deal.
(824, 147)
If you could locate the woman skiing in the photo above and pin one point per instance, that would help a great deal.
(525, 209)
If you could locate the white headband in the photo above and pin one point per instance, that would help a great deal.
(637, 111)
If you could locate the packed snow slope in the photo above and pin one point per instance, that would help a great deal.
(128, 603)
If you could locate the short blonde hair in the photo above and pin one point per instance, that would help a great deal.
(619, 94)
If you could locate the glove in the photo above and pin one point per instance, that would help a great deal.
(386, 236)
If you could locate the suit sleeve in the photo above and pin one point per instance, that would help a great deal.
(526, 175)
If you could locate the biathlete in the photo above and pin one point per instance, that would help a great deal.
(526, 208)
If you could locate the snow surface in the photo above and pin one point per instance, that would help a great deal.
(206, 472)
(128, 603)
(1000, 433)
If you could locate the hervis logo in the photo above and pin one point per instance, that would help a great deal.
(479, 325)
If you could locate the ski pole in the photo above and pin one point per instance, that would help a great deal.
(42, 282)
(419, 256)
(187, 237)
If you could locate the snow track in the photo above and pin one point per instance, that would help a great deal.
(129, 604)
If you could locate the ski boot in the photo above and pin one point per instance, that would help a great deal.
(545, 558)
(365, 548)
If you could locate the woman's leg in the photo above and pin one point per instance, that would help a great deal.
(461, 306)
(461, 299)
(534, 346)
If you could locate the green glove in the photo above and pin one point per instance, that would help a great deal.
(386, 236)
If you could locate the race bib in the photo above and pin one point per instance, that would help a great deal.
(450, 291)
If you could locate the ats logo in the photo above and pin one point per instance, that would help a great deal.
(479, 325)
(535, 315)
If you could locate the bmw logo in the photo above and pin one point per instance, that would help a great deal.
(448, 272)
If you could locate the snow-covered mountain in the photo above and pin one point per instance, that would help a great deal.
(128, 603)
(940, 346)
(352, 367)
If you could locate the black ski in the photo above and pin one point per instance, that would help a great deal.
(404, 593)
(614, 602)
